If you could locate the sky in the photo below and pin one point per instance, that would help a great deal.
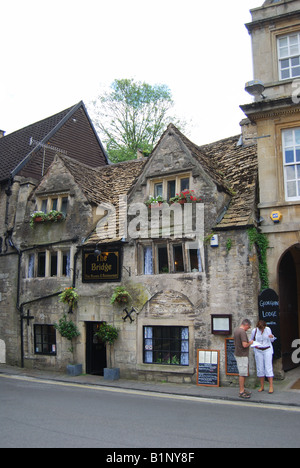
(59, 52)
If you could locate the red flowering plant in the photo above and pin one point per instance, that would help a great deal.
(186, 196)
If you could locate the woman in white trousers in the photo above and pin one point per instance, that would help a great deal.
(264, 354)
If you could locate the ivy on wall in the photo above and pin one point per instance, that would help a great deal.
(261, 243)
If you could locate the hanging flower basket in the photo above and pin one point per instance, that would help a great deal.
(120, 296)
(69, 296)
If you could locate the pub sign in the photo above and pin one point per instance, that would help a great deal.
(101, 268)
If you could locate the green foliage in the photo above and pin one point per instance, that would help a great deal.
(228, 245)
(155, 201)
(67, 328)
(132, 116)
(107, 333)
(261, 243)
(69, 296)
(36, 215)
(120, 295)
(52, 217)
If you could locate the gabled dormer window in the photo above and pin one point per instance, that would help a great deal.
(289, 56)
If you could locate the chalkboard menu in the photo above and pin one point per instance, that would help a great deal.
(230, 361)
(208, 368)
(268, 306)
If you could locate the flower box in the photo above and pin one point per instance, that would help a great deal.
(41, 217)
(74, 369)
(187, 196)
(111, 373)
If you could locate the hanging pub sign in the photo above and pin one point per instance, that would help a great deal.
(105, 266)
(268, 307)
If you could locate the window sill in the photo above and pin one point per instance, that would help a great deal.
(187, 275)
(278, 204)
(165, 368)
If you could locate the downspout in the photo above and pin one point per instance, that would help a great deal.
(75, 266)
(8, 194)
(18, 307)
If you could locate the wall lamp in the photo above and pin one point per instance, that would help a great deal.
(97, 251)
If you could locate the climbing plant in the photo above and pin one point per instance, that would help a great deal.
(261, 243)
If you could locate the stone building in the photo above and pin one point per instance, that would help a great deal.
(25, 157)
(190, 269)
(275, 34)
(178, 279)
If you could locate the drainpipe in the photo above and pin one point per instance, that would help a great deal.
(75, 266)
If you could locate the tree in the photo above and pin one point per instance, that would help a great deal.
(131, 117)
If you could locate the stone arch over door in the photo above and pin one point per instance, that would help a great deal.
(289, 299)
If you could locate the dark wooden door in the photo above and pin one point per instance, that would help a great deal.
(95, 350)
(288, 309)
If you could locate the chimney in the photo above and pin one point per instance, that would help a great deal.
(249, 133)
(2, 133)
(139, 154)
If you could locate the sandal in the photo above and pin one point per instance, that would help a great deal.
(245, 395)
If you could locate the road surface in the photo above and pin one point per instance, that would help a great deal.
(45, 414)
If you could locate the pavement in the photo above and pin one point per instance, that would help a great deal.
(283, 394)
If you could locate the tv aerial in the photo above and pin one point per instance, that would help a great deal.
(40, 144)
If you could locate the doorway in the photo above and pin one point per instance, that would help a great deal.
(95, 350)
(289, 294)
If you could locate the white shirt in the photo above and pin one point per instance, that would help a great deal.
(263, 338)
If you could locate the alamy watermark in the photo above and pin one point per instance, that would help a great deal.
(296, 353)
(137, 221)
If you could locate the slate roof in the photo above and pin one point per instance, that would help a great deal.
(208, 164)
(15, 149)
(238, 166)
(232, 167)
(105, 184)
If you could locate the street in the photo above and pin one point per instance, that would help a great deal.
(41, 414)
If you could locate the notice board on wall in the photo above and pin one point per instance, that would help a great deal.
(208, 368)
